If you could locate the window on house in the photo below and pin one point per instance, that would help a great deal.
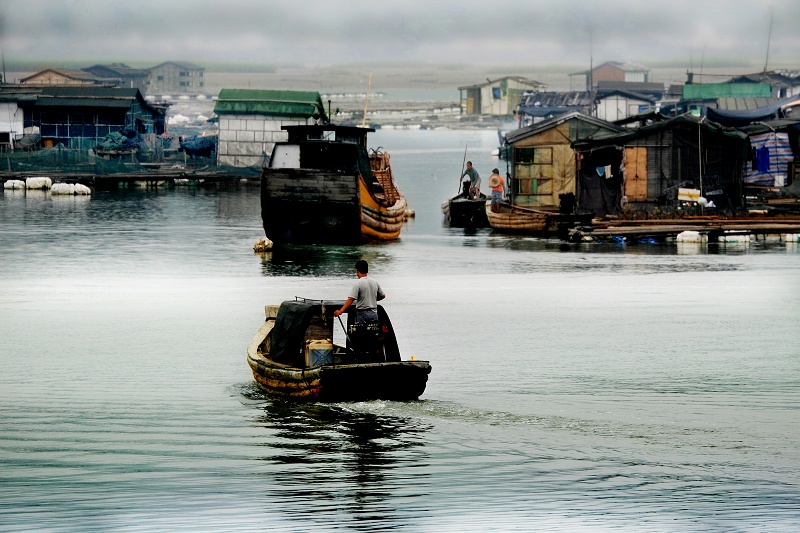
(160, 78)
(533, 170)
(496, 93)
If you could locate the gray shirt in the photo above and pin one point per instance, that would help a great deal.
(474, 177)
(365, 293)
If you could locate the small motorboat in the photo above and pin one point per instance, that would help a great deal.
(293, 356)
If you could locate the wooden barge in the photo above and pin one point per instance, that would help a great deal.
(509, 218)
(292, 357)
(322, 186)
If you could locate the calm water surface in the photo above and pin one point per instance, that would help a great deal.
(574, 387)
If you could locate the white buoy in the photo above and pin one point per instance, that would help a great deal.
(735, 238)
(14, 184)
(38, 183)
(63, 188)
(691, 236)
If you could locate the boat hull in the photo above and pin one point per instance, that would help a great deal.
(300, 206)
(397, 381)
(508, 218)
(512, 219)
(460, 212)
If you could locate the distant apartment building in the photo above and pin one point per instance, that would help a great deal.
(176, 78)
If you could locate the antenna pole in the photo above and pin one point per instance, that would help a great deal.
(769, 38)
(366, 102)
(591, 61)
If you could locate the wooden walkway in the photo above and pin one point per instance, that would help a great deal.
(669, 229)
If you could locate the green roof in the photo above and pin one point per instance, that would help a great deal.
(273, 103)
(712, 91)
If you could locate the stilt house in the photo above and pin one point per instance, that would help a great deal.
(654, 161)
(543, 164)
(251, 122)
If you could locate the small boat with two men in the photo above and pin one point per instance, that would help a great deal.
(293, 356)
(465, 210)
(323, 186)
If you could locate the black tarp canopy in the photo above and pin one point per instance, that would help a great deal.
(294, 318)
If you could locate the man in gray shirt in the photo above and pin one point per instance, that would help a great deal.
(475, 180)
(366, 293)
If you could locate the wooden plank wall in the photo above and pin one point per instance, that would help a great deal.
(293, 185)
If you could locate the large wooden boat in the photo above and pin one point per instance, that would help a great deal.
(509, 218)
(323, 186)
(292, 356)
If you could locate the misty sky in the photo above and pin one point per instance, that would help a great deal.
(314, 32)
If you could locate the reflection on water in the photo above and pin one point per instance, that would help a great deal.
(329, 460)
(317, 261)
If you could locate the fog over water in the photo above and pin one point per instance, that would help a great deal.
(308, 32)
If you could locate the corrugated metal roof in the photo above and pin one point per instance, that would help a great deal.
(626, 66)
(123, 103)
(120, 69)
(628, 135)
(518, 79)
(90, 92)
(712, 91)
(89, 96)
(181, 64)
(70, 74)
(607, 128)
(743, 104)
(269, 102)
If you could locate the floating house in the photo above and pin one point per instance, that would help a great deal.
(783, 85)
(496, 97)
(535, 107)
(60, 77)
(543, 163)
(650, 164)
(119, 75)
(81, 117)
(175, 77)
(696, 96)
(13, 100)
(614, 71)
(614, 104)
(251, 122)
